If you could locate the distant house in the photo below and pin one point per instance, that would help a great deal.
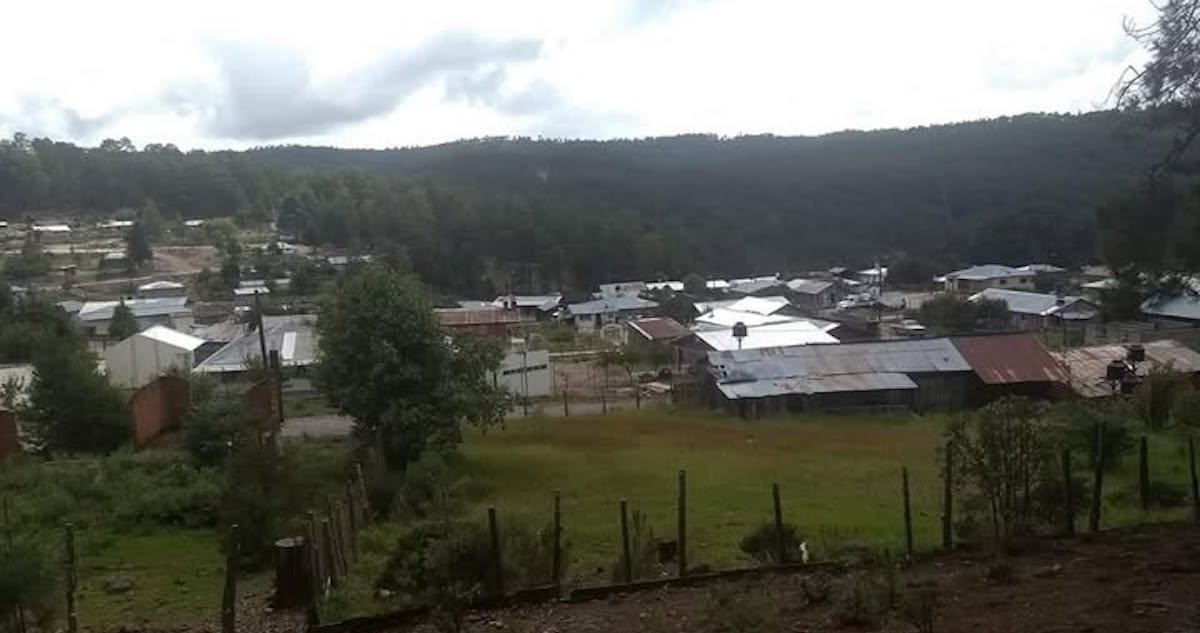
(114, 260)
(1086, 367)
(50, 229)
(1094, 273)
(790, 333)
(880, 375)
(1011, 365)
(490, 321)
(94, 317)
(717, 284)
(291, 336)
(620, 289)
(979, 278)
(115, 225)
(1037, 311)
(874, 276)
(191, 224)
(757, 286)
(1183, 308)
(530, 307)
(245, 297)
(752, 308)
(218, 335)
(653, 335)
(811, 295)
(159, 290)
(592, 316)
(140, 359)
(1094, 291)
(660, 286)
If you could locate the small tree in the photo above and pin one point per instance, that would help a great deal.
(150, 220)
(123, 325)
(71, 407)
(695, 285)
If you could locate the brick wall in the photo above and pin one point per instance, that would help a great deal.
(159, 406)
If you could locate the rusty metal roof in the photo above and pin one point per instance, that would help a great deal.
(452, 317)
(1009, 358)
(659, 328)
(1085, 366)
(880, 381)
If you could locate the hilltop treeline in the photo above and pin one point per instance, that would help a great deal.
(476, 216)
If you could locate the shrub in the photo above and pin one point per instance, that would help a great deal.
(28, 578)
(732, 609)
(817, 588)
(643, 551)
(760, 544)
(1075, 421)
(857, 601)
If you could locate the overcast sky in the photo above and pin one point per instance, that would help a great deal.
(393, 73)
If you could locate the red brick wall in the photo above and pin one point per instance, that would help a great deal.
(261, 400)
(8, 434)
(159, 406)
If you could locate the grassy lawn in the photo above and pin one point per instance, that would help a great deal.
(840, 478)
(177, 578)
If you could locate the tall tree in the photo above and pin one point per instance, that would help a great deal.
(123, 325)
(137, 245)
(72, 408)
(386, 362)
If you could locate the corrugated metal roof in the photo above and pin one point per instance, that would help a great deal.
(292, 333)
(879, 381)
(934, 355)
(985, 272)
(544, 303)
(171, 337)
(752, 286)
(809, 286)
(1085, 366)
(1009, 358)
(1185, 306)
(722, 318)
(451, 317)
(160, 285)
(659, 328)
(1037, 303)
(673, 286)
(622, 303)
(103, 310)
(1041, 268)
(785, 334)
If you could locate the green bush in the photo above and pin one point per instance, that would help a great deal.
(760, 544)
(28, 579)
(740, 609)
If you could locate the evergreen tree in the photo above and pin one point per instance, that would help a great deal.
(123, 325)
(137, 245)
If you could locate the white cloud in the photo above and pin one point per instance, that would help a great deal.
(375, 74)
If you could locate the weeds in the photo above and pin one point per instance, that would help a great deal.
(739, 610)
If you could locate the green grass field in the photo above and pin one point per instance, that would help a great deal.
(839, 476)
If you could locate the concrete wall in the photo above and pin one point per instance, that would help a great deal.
(531, 370)
(138, 360)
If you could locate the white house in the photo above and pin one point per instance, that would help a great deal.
(160, 289)
(1035, 310)
(978, 278)
(140, 359)
(95, 316)
(592, 316)
(525, 372)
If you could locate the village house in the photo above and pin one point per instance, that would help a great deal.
(620, 289)
(1011, 365)
(813, 295)
(291, 336)
(530, 307)
(94, 317)
(144, 357)
(160, 290)
(51, 232)
(1086, 368)
(976, 279)
(664, 286)
(1038, 311)
(1184, 308)
(652, 336)
(874, 276)
(757, 286)
(245, 297)
(489, 321)
(593, 316)
(1095, 291)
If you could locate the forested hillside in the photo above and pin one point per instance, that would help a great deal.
(572, 213)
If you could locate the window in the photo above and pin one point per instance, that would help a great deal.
(1003, 282)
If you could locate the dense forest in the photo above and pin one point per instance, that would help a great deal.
(477, 215)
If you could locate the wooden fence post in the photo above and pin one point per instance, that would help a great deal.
(556, 563)
(908, 533)
(626, 559)
(351, 523)
(8, 539)
(1195, 479)
(682, 507)
(278, 369)
(497, 557)
(603, 401)
(1101, 430)
(566, 405)
(1068, 504)
(316, 555)
(229, 596)
(328, 547)
(1144, 473)
(292, 584)
(72, 579)
(948, 498)
(780, 546)
(364, 500)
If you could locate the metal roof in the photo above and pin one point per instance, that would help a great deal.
(160, 285)
(222, 332)
(933, 355)
(809, 286)
(1186, 306)
(1085, 366)
(985, 272)
(789, 333)
(1100, 284)
(751, 286)
(1009, 358)
(728, 317)
(171, 337)
(51, 228)
(880, 381)
(452, 317)
(1036, 303)
(619, 303)
(673, 286)
(716, 284)
(163, 306)
(292, 336)
(659, 328)
(621, 288)
(1041, 268)
(251, 290)
(545, 303)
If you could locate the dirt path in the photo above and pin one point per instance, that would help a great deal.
(1127, 582)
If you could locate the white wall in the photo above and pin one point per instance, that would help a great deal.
(138, 360)
(536, 374)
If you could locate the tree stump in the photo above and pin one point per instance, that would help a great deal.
(292, 580)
